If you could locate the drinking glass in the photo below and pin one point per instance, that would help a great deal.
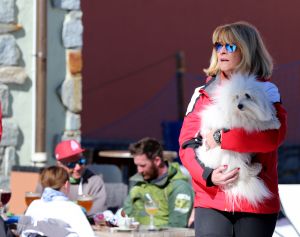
(5, 195)
(31, 196)
(151, 207)
(86, 201)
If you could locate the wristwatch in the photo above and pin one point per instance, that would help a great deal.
(217, 136)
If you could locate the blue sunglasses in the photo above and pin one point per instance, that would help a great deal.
(230, 48)
(71, 165)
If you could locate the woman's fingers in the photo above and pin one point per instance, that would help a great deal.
(218, 176)
(233, 174)
(231, 180)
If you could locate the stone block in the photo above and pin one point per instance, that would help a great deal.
(7, 11)
(4, 98)
(73, 121)
(71, 134)
(9, 160)
(13, 74)
(10, 132)
(6, 28)
(72, 30)
(67, 4)
(71, 93)
(9, 52)
(74, 61)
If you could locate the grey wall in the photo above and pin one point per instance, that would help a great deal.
(55, 76)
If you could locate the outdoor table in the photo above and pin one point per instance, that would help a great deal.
(166, 232)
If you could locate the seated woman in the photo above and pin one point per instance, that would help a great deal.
(54, 203)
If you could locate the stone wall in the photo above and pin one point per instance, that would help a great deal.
(15, 83)
(10, 73)
(71, 87)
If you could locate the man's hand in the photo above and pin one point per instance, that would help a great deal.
(219, 177)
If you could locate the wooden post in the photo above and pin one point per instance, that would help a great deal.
(180, 69)
(41, 76)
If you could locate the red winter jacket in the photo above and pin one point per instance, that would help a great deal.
(264, 144)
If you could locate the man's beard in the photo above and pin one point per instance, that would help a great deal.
(152, 174)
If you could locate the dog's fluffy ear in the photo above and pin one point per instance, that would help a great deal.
(266, 110)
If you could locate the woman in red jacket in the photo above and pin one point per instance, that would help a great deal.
(238, 48)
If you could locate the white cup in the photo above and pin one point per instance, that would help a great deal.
(127, 222)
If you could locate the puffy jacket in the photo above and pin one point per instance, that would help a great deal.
(264, 144)
(173, 193)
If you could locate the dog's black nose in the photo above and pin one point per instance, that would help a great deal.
(240, 106)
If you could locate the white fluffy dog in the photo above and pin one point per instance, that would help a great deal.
(241, 103)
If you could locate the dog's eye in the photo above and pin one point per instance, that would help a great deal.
(248, 96)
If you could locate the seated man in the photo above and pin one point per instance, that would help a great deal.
(163, 181)
(83, 181)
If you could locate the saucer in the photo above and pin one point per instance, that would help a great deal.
(121, 229)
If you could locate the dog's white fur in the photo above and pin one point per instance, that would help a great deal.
(240, 103)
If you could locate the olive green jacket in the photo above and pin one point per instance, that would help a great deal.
(173, 192)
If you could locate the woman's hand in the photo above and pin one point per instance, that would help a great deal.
(218, 177)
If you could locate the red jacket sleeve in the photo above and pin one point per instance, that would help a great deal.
(189, 130)
(240, 141)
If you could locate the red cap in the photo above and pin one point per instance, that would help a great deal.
(66, 149)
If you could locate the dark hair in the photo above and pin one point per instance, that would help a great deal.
(148, 146)
(54, 177)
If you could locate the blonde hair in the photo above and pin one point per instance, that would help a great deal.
(255, 58)
(54, 177)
